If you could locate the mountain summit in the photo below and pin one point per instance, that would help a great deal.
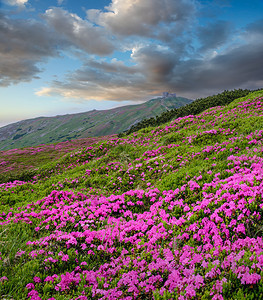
(41, 130)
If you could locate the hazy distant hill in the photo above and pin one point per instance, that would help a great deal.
(45, 130)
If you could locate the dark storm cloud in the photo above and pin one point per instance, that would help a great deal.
(255, 27)
(150, 75)
(214, 35)
(239, 67)
(22, 47)
(158, 70)
(191, 59)
(156, 63)
(13, 71)
(26, 43)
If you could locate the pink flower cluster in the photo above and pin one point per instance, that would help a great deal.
(201, 235)
(170, 245)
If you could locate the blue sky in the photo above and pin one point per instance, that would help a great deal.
(59, 57)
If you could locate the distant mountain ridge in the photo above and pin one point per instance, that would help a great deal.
(44, 130)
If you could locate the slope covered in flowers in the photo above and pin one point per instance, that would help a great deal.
(18, 163)
(172, 212)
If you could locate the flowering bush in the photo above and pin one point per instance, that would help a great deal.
(174, 212)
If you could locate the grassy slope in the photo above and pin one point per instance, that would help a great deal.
(94, 123)
(187, 221)
(193, 108)
(16, 163)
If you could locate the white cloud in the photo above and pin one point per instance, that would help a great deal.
(16, 2)
(45, 91)
(79, 33)
(143, 18)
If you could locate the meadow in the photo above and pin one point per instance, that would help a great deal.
(21, 163)
(168, 212)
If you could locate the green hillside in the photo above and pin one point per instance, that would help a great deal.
(167, 212)
(22, 163)
(193, 108)
(94, 123)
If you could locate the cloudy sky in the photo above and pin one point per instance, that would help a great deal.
(68, 56)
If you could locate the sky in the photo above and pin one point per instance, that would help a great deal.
(68, 56)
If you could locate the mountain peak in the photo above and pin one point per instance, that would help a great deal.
(93, 123)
